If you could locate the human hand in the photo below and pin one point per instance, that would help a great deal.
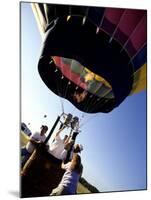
(68, 145)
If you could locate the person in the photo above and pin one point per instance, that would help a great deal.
(59, 147)
(76, 148)
(35, 139)
(70, 179)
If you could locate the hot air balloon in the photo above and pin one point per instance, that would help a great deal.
(94, 57)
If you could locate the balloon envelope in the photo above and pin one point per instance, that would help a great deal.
(94, 57)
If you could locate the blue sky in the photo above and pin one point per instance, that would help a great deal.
(114, 155)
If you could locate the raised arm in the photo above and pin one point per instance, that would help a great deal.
(68, 138)
(65, 166)
(60, 131)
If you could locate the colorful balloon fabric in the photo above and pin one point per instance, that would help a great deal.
(94, 57)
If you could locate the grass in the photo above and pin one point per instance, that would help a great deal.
(24, 138)
(82, 189)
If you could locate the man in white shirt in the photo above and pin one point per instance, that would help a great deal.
(59, 147)
(35, 139)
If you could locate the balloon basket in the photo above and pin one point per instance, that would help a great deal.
(41, 174)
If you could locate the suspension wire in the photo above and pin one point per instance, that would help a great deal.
(88, 119)
(73, 110)
(66, 87)
(60, 93)
(130, 61)
(87, 100)
(86, 111)
(82, 117)
(107, 100)
(71, 79)
(92, 102)
(92, 95)
(88, 103)
(85, 16)
(101, 101)
(78, 85)
(101, 22)
(70, 9)
(58, 87)
(91, 117)
(97, 102)
(62, 106)
(66, 90)
(132, 33)
(96, 90)
(62, 77)
(89, 97)
(68, 83)
(117, 26)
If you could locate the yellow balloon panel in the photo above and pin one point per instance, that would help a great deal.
(140, 76)
(140, 79)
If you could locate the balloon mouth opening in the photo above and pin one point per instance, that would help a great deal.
(84, 67)
(85, 89)
(84, 78)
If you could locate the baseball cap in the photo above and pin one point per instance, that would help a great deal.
(44, 127)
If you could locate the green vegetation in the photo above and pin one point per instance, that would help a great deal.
(82, 190)
(88, 186)
(24, 138)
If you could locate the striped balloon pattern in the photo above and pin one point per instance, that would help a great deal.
(120, 37)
